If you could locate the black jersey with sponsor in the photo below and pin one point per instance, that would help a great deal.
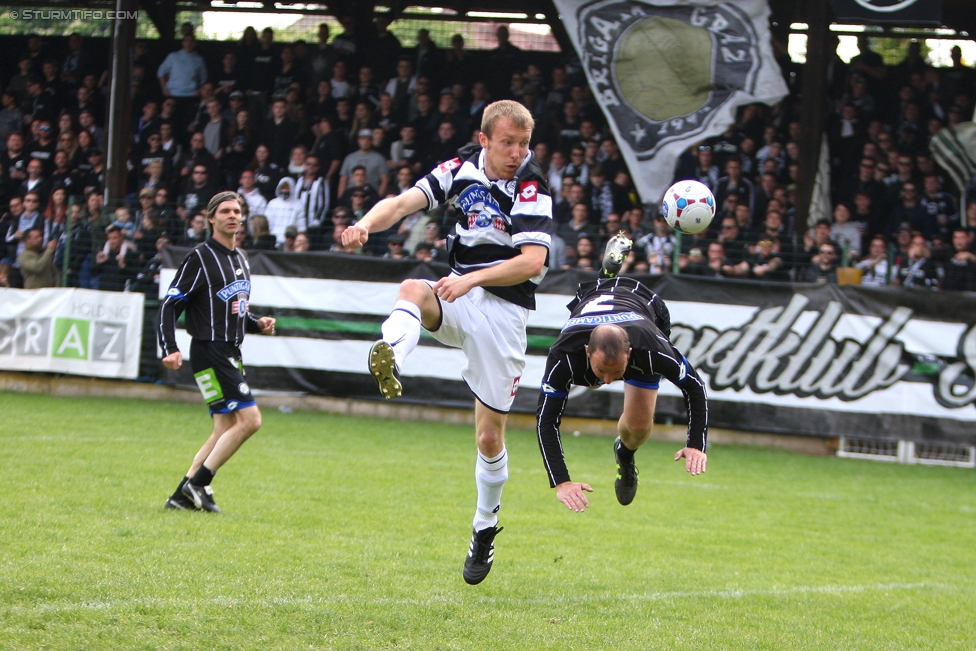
(627, 303)
(495, 218)
(213, 286)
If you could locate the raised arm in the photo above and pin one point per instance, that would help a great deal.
(384, 214)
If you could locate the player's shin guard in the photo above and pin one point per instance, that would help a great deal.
(402, 330)
(490, 476)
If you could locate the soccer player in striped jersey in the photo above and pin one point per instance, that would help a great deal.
(498, 252)
(213, 286)
(618, 329)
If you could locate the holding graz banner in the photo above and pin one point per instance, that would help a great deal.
(77, 331)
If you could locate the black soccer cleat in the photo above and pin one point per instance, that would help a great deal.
(382, 365)
(481, 553)
(626, 485)
(180, 503)
(201, 496)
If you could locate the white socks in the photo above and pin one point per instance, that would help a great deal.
(402, 330)
(490, 476)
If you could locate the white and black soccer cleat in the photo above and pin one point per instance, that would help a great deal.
(201, 496)
(481, 554)
(382, 365)
(618, 248)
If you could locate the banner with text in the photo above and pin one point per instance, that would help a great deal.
(670, 73)
(76, 331)
(801, 359)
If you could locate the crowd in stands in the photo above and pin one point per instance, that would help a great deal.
(313, 134)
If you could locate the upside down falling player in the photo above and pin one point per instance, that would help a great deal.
(618, 329)
(498, 254)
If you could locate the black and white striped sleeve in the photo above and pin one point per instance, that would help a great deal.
(437, 185)
(553, 396)
(679, 371)
(187, 282)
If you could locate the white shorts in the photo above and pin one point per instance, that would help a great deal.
(491, 332)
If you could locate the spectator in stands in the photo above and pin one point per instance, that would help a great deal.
(733, 182)
(256, 202)
(35, 183)
(266, 172)
(910, 211)
(216, 129)
(37, 261)
(601, 194)
(321, 58)
(197, 155)
(373, 163)
(918, 269)
(284, 210)
(845, 233)
(280, 133)
(959, 263)
(180, 77)
(874, 265)
(444, 147)
(938, 205)
(196, 193)
(197, 231)
(116, 263)
(312, 192)
(585, 253)
(729, 234)
(11, 117)
(258, 237)
(149, 231)
(124, 222)
(822, 268)
(657, 248)
(579, 223)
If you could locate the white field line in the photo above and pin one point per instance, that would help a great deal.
(335, 600)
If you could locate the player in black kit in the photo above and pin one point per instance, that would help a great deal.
(618, 329)
(213, 286)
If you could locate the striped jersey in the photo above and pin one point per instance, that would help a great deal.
(495, 218)
(213, 286)
(635, 308)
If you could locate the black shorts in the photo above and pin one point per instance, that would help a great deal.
(219, 372)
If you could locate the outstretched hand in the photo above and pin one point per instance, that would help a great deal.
(694, 460)
(571, 494)
(354, 234)
(267, 325)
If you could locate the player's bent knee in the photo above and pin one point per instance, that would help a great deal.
(250, 418)
(414, 291)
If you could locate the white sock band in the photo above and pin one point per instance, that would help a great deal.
(402, 330)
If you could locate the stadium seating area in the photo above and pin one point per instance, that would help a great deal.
(315, 133)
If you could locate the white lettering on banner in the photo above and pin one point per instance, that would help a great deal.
(767, 355)
(952, 390)
(107, 352)
(72, 340)
(100, 311)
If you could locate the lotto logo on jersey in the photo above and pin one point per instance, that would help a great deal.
(449, 165)
(515, 385)
(529, 191)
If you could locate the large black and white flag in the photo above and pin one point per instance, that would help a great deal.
(889, 11)
(668, 73)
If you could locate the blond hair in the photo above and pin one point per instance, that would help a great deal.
(506, 108)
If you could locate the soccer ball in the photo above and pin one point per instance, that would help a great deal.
(688, 207)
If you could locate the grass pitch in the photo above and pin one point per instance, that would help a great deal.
(350, 533)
